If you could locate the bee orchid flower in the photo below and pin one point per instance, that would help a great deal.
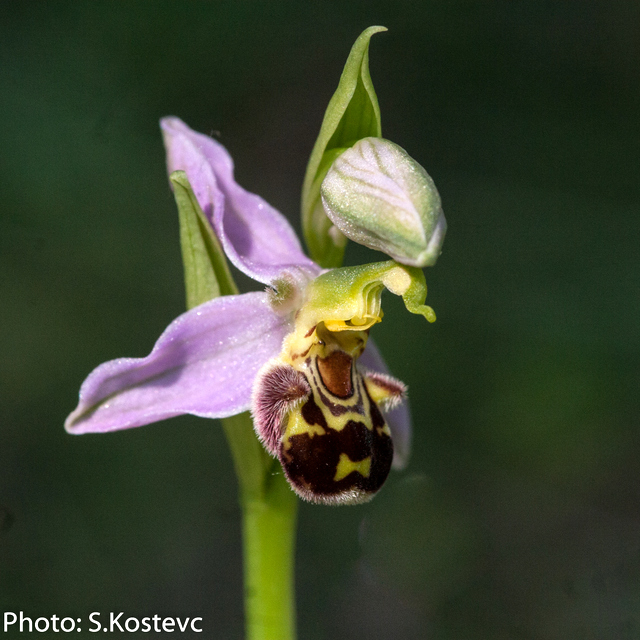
(297, 354)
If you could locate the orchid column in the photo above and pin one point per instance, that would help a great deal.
(327, 421)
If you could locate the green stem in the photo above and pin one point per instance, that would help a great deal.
(269, 549)
(269, 509)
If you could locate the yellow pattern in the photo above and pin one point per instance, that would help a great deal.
(346, 466)
(297, 425)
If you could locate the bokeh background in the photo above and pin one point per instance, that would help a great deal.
(518, 516)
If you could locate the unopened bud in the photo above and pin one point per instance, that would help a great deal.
(379, 196)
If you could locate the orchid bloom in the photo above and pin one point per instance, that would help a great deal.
(293, 354)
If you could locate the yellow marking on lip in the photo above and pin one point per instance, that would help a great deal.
(297, 426)
(346, 466)
(384, 430)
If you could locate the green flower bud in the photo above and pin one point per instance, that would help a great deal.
(379, 196)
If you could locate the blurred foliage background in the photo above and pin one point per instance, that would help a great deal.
(518, 516)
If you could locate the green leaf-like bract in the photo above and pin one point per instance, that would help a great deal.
(206, 272)
(353, 113)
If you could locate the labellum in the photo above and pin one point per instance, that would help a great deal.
(318, 413)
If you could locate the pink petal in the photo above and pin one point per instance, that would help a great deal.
(256, 238)
(204, 364)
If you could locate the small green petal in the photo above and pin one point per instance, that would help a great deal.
(206, 272)
(353, 113)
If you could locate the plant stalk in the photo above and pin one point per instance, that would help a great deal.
(269, 509)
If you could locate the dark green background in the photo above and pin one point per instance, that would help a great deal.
(518, 516)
